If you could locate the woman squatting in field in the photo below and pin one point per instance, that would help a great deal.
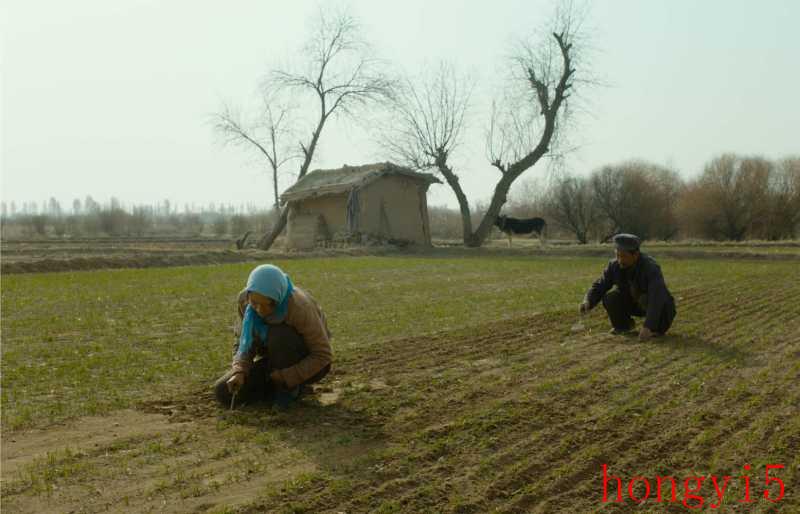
(283, 344)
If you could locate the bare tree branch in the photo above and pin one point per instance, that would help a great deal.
(428, 118)
(340, 77)
(427, 121)
(271, 145)
(522, 132)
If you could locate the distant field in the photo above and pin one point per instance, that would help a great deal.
(48, 255)
(458, 387)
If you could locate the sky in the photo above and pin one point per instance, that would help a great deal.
(113, 98)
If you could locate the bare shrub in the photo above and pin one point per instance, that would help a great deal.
(220, 226)
(191, 224)
(239, 225)
(571, 204)
(445, 223)
(637, 197)
(730, 200)
(38, 223)
(112, 221)
(784, 200)
(140, 221)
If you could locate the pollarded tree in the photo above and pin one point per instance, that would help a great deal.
(427, 123)
(429, 119)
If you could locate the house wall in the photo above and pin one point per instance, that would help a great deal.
(330, 207)
(302, 231)
(405, 209)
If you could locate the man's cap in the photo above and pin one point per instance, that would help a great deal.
(627, 242)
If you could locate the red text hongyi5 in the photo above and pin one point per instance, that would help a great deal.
(666, 489)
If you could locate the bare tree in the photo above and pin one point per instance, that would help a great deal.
(614, 199)
(521, 132)
(665, 190)
(733, 198)
(341, 76)
(572, 204)
(785, 199)
(738, 188)
(637, 197)
(528, 198)
(427, 122)
(268, 135)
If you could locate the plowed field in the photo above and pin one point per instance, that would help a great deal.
(458, 386)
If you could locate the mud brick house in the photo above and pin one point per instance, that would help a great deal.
(379, 201)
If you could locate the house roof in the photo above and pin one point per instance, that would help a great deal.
(341, 180)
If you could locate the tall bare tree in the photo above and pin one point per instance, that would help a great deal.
(522, 130)
(637, 197)
(785, 199)
(738, 188)
(268, 135)
(427, 123)
(340, 76)
(571, 203)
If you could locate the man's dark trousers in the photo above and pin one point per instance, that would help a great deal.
(620, 307)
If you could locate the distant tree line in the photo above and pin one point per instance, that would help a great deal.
(734, 198)
(88, 218)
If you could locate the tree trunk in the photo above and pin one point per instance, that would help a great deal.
(463, 204)
(487, 222)
(275, 187)
(266, 241)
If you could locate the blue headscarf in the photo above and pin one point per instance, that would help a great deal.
(273, 283)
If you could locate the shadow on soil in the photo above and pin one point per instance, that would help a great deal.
(698, 346)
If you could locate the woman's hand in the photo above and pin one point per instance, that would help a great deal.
(235, 382)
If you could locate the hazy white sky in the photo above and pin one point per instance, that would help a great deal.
(112, 98)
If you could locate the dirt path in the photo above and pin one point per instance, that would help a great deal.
(83, 436)
(137, 462)
(180, 454)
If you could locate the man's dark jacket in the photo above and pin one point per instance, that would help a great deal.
(643, 282)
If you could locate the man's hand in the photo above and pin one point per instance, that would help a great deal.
(584, 307)
(645, 334)
(235, 382)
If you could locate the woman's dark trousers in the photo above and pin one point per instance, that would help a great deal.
(285, 348)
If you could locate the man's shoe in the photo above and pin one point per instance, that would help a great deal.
(622, 331)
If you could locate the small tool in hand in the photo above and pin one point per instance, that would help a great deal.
(233, 399)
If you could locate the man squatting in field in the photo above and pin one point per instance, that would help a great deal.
(641, 291)
(283, 342)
